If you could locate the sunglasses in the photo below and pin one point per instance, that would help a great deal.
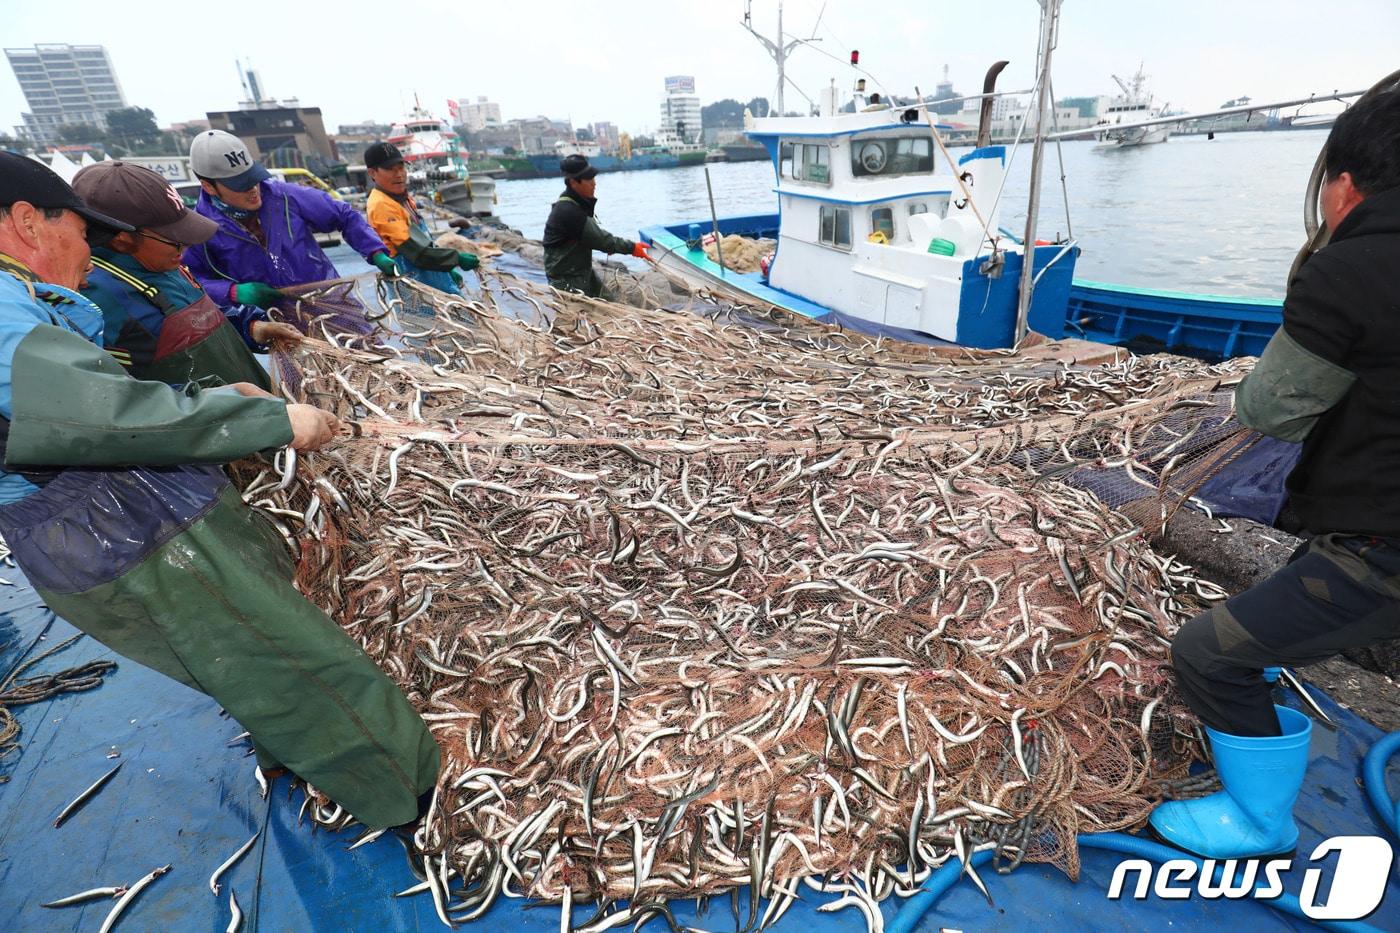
(160, 239)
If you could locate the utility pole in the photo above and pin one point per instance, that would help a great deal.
(1049, 33)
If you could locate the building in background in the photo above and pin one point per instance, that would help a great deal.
(943, 96)
(680, 109)
(480, 115)
(605, 134)
(531, 134)
(64, 84)
(280, 134)
(351, 139)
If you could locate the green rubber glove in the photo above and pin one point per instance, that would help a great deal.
(467, 261)
(382, 261)
(456, 277)
(256, 293)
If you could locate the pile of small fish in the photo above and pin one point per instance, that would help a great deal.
(699, 601)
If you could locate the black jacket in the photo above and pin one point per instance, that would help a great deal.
(570, 236)
(1344, 308)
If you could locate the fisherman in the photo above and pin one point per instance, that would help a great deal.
(571, 233)
(114, 505)
(1327, 379)
(158, 322)
(394, 216)
(266, 228)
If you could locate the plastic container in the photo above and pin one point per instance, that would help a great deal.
(941, 247)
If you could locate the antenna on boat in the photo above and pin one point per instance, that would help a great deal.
(1049, 36)
(779, 50)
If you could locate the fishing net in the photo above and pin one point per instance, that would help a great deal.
(741, 253)
(717, 596)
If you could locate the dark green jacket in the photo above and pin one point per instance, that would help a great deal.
(570, 236)
(1330, 377)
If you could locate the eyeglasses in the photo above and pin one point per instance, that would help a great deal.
(160, 239)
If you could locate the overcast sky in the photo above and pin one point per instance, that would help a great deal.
(358, 60)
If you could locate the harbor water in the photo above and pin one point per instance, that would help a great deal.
(1221, 216)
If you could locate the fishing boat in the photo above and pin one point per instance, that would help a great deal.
(1132, 106)
(744, 152)
(668, 152)
(874, 231)
(437, 160)
(875, 224)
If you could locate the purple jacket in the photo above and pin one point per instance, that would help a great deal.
(289, 215)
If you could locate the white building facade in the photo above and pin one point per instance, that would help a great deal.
(478, 116)
(64, 84)
(680, 109)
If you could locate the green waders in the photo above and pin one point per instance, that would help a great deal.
(195, 343)
(164, 564)
(213, 607)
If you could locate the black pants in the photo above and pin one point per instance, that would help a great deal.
(1336, 592)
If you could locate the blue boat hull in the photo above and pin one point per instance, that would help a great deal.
(548, 165)
(1207, 327)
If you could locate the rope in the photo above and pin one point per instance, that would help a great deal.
(36, 689)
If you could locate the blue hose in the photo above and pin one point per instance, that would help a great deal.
(1373, 773)
(938, 884)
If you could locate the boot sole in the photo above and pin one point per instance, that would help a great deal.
(1158, 837)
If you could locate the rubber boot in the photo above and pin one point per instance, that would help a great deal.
(1253, 816)
(1272, 674)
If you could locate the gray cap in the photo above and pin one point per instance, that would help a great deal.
(222, 157)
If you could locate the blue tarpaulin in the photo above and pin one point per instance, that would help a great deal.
(186, 797)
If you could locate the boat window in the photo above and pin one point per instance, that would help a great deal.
(835, 224)
(882, 221)
(816, 163)
(785, 160)
(902, 155)
(917, 207)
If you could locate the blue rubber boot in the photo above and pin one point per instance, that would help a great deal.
(1272, 674)
(1253, 816)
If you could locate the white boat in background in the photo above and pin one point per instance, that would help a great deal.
(435, 158)
(1134, 105)
(430, 147)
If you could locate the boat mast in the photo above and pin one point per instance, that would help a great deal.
(779, 50)
(1049, 31)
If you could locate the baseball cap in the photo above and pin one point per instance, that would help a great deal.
(142, 198)
(222, 157)
(576, 167)
(382, 155)
(25, 179)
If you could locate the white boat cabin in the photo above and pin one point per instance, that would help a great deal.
(873, 221)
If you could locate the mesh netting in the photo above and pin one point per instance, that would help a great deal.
(715, 597)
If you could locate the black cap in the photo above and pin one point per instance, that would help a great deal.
(576, 167)
(382, 155)
(26, 179)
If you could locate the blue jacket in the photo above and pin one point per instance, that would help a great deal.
(64, 402)
(20, 312)
(123, 310)
(290, 215)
